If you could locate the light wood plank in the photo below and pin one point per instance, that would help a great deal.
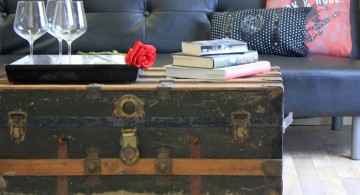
(321, 160)
(308, 178)
(337, 153)
(291, 183)
(352, 185)
(325, 167)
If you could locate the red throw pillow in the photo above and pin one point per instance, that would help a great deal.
(328, 25)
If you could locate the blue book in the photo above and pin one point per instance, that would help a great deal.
(214, 61)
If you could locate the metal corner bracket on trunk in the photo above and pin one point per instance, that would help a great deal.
(92, 164)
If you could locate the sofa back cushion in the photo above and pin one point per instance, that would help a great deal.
(117, 24)
(279, 31)
(327, 27)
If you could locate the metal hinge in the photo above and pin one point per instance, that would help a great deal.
(94, 91)
(165, 84)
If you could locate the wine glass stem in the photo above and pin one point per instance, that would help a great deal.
(31, 43)
(69, 48)
(60, 47)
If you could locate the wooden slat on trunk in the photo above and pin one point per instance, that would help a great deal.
(149, 80)
(110, 166)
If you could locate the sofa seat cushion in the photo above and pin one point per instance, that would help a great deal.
(321, 85)
(316, 85)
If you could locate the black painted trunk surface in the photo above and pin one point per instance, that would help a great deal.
(168, 119)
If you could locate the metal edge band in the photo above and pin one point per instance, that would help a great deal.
(275, 37)
(272, 168)
(229, 23)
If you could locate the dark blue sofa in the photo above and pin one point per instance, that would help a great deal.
(315, 86)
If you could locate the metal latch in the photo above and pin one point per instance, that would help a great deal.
(17, 124)
(240, 125)
(129, 152)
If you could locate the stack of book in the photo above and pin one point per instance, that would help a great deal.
(219, 59)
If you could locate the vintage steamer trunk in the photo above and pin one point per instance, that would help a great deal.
(154, 136)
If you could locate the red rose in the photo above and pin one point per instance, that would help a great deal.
(142, 56)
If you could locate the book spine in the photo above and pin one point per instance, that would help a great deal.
(231, 60)
(222, 49)
(248, 69)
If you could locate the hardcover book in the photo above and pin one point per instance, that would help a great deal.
(214, 61)
(216, 46)
(218, 73)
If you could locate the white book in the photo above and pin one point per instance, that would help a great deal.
(216, 46)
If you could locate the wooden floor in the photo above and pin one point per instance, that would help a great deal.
(317, 161)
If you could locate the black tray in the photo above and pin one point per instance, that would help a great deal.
(77, 69)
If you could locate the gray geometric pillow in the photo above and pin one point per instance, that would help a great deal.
(278, 31)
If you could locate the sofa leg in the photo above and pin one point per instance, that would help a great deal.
(355, 142)
(336, 123)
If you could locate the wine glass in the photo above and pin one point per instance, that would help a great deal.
(30, 21)
(50, 12)
(69, 21)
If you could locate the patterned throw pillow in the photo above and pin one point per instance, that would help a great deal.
(328, 25)
(278, 31)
